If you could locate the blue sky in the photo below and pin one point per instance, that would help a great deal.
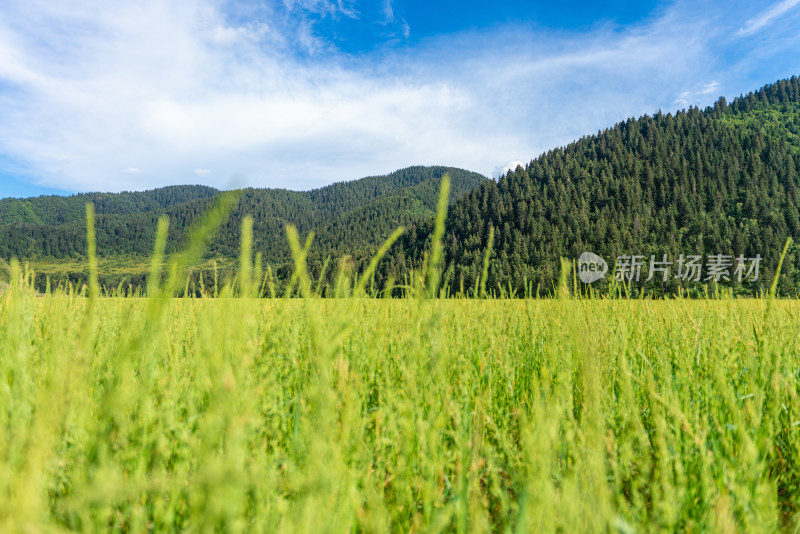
(137, 94)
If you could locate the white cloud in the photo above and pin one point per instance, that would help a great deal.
(753, 25)
(388, 12)
(503, 169)
(324, 7)
(175, 85)
(131, 170)
(697, 96)
(710, 88)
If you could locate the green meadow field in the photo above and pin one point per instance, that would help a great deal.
(370, 415)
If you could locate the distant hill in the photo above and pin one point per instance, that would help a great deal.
(55, 210)
(351, 218)
(718, 181)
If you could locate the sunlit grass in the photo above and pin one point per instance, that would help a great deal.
(396, 415)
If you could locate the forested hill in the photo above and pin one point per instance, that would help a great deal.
(56, 210)
(348, 217)
(718, 181)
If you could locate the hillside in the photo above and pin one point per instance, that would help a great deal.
(57, 210)
(719, 181)
(349, 218)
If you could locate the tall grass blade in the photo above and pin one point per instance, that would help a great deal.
(773, 289)
(373, 264)
(486, 257)
(91, 241)
(246, 259)
(322, 275)
(157, 259)
(437, 245)
(198, 239)
(299, 259)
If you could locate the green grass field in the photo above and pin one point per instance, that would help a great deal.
(364, 415)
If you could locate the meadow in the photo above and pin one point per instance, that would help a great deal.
(420, 414)
(370, 415)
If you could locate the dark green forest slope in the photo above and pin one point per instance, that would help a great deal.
(350, 218)
(719, 181)
(57, 210)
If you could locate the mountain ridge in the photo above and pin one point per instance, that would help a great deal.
(723, 180)
(351, 218)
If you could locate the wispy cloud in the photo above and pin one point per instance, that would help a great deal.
(180, 88)
(324, 7)
(500, 170)
(710, 88)
(687, 98)
(388, 12)
(755, 24)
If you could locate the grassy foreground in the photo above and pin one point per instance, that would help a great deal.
(365, 415)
